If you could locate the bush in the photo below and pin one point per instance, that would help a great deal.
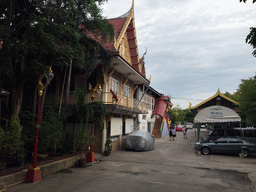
(13, 144)
(83, 141)
(51, 131)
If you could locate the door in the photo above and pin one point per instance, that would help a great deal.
(149, 127)
(234, 145)
(220, 145)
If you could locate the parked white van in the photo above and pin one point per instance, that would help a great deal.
(248, 134)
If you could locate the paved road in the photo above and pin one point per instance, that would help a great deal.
(172, 166)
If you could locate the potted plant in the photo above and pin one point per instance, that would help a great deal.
(108, 147)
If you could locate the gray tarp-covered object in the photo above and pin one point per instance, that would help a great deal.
(140, 141)
(216, 114)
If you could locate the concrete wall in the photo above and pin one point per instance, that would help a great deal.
(46, 169)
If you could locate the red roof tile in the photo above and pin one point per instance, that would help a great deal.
(118, 25)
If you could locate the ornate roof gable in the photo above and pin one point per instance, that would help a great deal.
(125, 40)
(218, 93)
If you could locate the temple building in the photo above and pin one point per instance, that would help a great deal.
(217, 99)
(218, 112)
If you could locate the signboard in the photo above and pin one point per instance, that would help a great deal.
(216, 114)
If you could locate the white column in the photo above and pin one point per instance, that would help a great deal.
(104, 131)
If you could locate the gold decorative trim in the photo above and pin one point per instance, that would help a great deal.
(134, 89)
(125, 81)
(107, 76)
(218, 93)
(34, 169)
(122, 33)
(40, 85)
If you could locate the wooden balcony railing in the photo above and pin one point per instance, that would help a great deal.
(122, 100)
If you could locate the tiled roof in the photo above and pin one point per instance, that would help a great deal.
(118, 25)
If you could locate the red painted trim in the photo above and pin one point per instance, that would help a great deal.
(114, 95)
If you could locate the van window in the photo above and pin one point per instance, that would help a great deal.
(249, 133)
(217, 132)
(233, 132)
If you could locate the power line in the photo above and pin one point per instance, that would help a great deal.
(180, 98)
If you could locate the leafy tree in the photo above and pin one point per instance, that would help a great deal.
(247, 100)
(181, 115)
(251, 37)
(36, 34)
(232, 96)
(189, 116)
(85, 113)
(246, 0)
(173, 115)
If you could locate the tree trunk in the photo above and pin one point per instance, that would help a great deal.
(19, 98)
(68, 83)
(62, 91)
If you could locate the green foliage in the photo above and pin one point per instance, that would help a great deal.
(89, 112)
(232, 96)
(29, 129)
(51, 131)
(247, 100)
(189, 116)
(44, 33)
(173, 115)
(108, 145)
(181, 115)
(68, 144)
(251, 39)
(246, 1)
(1, 138)
(83, 141)
(13, 144)
(96, 111)
(85, 113)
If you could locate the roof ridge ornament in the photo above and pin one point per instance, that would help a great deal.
(218, 93)
(142, 58)
(126, 15)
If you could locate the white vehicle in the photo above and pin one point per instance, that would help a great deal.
(189, 125)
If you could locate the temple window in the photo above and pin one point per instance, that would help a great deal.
(114, 84)
(127, 91)
(148, 101)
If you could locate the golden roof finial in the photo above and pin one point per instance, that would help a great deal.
(149, 78)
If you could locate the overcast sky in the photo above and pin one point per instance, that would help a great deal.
(194, 47)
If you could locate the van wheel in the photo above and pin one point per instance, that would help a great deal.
(205, 150)
(244, 152)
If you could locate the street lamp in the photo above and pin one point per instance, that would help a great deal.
(34, 173)
(90, 157)
(97, 89)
